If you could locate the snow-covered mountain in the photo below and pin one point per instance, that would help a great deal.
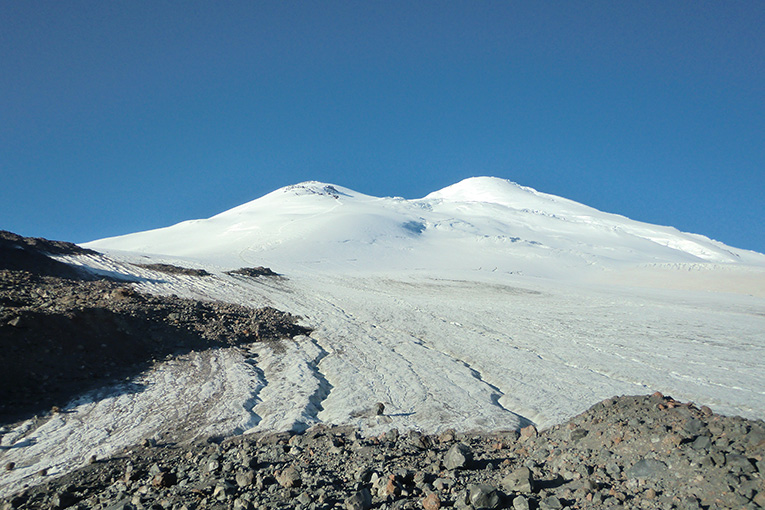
(480, 224)
(485, 305)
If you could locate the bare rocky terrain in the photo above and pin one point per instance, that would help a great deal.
(640, 452)
(63, 332)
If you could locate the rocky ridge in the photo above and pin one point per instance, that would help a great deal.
(64, 331)
(641, 452)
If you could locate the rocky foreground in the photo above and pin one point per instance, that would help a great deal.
(640, 452)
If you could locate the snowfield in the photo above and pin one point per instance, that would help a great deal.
(483, 306)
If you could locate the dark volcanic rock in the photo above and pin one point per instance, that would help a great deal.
(171, 269)
(41, 245)
(31, 254)
(253, 271)
(332, 467)
(64, 331)
(459, 456)
(646, 468)
(483, 496)
(520, 480)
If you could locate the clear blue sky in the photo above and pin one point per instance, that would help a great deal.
(117, 117)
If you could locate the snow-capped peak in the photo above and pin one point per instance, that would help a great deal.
(478, 223)
(482, 189)
(317, 188)
(494, 190)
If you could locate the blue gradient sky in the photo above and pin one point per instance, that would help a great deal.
(124, 116)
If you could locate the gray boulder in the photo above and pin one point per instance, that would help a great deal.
(361, 500)
(646, 468)
(520, 480)
(459, 456)
(483, 496)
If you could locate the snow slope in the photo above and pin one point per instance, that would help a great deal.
(485, 305)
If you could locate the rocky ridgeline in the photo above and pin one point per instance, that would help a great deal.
(171, 269)
(64, 330)
(254, 272)
(646, 452)
(19, 253)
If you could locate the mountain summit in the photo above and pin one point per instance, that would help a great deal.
(478, 224)
(494, 190)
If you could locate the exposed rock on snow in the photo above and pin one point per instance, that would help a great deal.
(19, 253)
(171, 269)
(64, 336)
(253, 271)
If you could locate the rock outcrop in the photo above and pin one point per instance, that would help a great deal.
(64, 331)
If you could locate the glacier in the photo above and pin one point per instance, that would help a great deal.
(483, 306)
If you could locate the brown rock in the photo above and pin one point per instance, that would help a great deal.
(130, 476)
(447, 436)
(245, 478)
(528, 432)
(431, 502)
(164, 479)
(290, 477)
(391, 488)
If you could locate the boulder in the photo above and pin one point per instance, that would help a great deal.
(482, 496)
(289, 477)
(361, 500)
(520, 480)
(459, 456)
(646, 468)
